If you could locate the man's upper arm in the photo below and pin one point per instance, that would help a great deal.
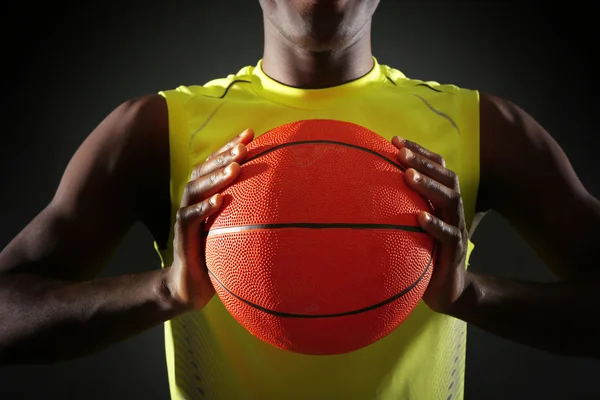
(99, 196)
(527, 178)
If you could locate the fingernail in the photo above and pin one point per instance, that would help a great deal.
(213, 200)
(400, 139)
(235, 151)
(228, 170)
(243, 133)
(408, 154)
(427, 217)
(416, 176)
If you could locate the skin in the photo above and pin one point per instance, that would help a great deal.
(52, 308)
(315, 44)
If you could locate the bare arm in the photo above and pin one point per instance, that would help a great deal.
(50, 309)
(527, 178)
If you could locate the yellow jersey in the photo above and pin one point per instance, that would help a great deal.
(209, 354)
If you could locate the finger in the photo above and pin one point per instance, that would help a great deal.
(193, 215)
(187, 226)
(245, 137)
(448, 201)
(403, 143)
(205, 186)
(428, 167)
(236, 154)
(444, 232)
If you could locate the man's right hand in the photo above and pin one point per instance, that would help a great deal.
(188, 279)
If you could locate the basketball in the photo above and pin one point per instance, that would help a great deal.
(316, 248)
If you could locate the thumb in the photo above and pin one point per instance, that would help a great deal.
(188, 227)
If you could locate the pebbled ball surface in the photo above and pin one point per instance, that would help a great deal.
(316, 248)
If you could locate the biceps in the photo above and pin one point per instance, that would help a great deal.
(61, 247)
(530, 181)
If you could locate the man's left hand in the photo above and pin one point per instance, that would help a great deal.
(427, 174)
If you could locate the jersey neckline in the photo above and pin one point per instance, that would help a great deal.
(275, 91)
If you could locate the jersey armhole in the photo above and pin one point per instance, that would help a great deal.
(178, 163)
(470, 158)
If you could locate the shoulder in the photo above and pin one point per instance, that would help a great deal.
(139, 127)
(396, 78)
(131, 124)
(504, 126)
(131, 143)
(496, 110)
(216, 88)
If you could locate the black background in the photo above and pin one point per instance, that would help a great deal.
(67, 66)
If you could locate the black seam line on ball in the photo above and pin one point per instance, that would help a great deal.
(313, 225)
(400, 167)
(310, 316)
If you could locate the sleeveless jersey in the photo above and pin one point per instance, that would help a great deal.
(209, 354)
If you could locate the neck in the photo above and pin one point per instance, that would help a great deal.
(293, 66)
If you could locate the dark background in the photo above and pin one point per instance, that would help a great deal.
(67, 66)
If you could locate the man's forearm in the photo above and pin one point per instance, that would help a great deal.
(44, 321)
(562, 317)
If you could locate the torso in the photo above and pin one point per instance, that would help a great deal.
(209, 354)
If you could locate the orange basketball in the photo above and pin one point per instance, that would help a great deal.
(316, 248)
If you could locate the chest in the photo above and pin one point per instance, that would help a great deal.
(430, 119)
